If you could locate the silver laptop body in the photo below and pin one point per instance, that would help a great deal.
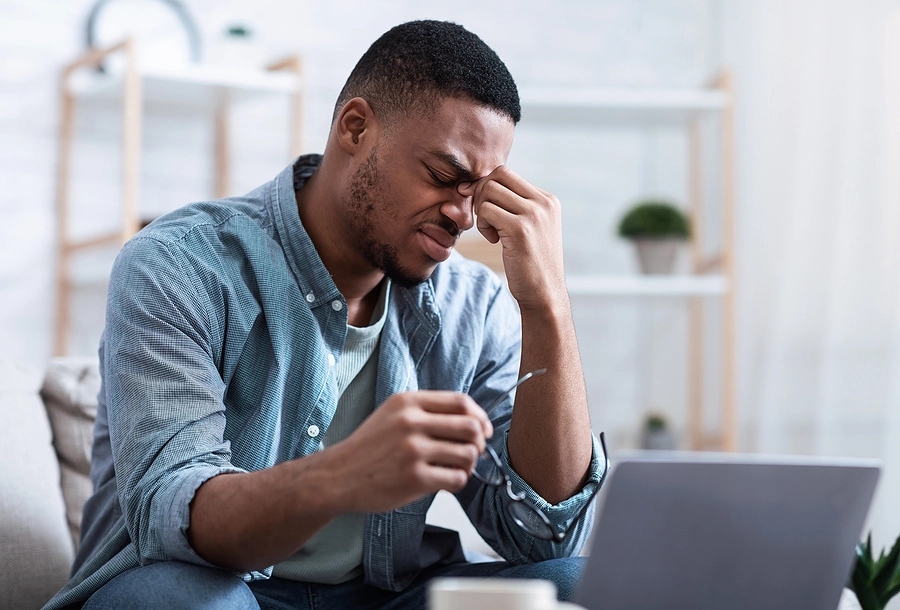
(726, 532)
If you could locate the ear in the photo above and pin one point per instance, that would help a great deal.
(355, 125)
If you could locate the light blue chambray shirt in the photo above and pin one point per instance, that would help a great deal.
(220, 319)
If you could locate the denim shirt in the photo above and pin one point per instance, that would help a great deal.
(215, 358)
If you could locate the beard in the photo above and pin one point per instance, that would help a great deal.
(366, 200)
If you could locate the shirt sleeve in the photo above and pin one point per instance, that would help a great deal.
(164, 397)
(486, 506)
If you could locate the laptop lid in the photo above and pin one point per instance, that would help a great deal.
(713, 531)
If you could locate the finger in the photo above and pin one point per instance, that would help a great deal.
(492, 217)
(456, 428)
(487, 230)
(450, 455)
(441, 477)
(467, 189)
(504, 197)
(435, 401)
(511, 180)
(488, 223)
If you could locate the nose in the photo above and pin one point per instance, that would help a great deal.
(460, 209)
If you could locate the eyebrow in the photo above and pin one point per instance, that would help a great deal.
(462, 172)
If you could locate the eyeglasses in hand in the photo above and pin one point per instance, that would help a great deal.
(491, 471)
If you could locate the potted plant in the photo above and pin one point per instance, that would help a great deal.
(238, 47)
(656, 433)
(657, 229)
(875, 582)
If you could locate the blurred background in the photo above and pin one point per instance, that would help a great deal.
(773, 124)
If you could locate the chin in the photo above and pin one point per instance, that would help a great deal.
(407, 273)
(408, 281)
(407, 277)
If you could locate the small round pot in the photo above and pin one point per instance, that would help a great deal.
(657, 256)
(658, 439)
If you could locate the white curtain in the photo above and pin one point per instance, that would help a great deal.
(818, 183)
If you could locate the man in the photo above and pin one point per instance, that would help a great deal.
(290, 376)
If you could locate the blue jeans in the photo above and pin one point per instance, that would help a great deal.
(175, 585)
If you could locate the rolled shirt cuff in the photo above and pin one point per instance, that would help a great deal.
(173, 514)
(562, 514)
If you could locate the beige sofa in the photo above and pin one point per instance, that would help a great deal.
(47, 419)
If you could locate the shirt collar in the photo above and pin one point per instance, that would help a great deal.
(313, 278)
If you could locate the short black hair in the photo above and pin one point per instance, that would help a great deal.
(415, 65)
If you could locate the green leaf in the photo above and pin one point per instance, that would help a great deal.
(895, 582)
(890, 592)
(887, 569)
(892, 567)
(860, 577)
(866, 597)
(863, 564)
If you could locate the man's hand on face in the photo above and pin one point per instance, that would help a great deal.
(414, 444)
(527, 222)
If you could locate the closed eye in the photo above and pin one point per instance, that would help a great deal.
(440, 181)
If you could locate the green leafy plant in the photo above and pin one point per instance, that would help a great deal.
(655, 422)
(654, 220)
(875, 582)
(239, 31)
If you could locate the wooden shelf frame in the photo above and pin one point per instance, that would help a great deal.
(702, 263)
(131, 88)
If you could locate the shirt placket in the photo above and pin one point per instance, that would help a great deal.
(331, 313)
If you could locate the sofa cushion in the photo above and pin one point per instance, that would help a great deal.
(35, 543)
(70, 396)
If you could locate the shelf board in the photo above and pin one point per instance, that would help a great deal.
(647, 285)
(629, 104)
(192, 86)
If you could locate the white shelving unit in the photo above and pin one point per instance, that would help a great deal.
(192, 86)
(648, 286)
(208, 91)
(712, 276)
(617, 104)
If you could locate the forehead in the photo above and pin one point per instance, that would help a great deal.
(479, 137)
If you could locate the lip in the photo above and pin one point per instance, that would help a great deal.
(438, 244)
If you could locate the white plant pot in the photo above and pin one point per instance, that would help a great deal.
(849, 601)
(658, 439)
(236, 53)
(657, 256)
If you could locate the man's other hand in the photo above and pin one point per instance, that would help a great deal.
(414, 444)
(527, 221)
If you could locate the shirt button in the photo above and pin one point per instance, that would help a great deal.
(336, 305)
(313, 431)
(330, 360)
(310, 297)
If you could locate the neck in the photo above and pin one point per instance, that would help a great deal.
(318, 204)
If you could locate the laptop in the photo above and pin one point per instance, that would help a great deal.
(726, 532)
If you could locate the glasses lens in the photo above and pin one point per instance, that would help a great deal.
(530, 520)
(487, 471)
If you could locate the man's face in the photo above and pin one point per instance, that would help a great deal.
(405, 211)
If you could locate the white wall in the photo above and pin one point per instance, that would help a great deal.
(632, 350)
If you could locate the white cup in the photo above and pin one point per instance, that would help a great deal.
(493, 594)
